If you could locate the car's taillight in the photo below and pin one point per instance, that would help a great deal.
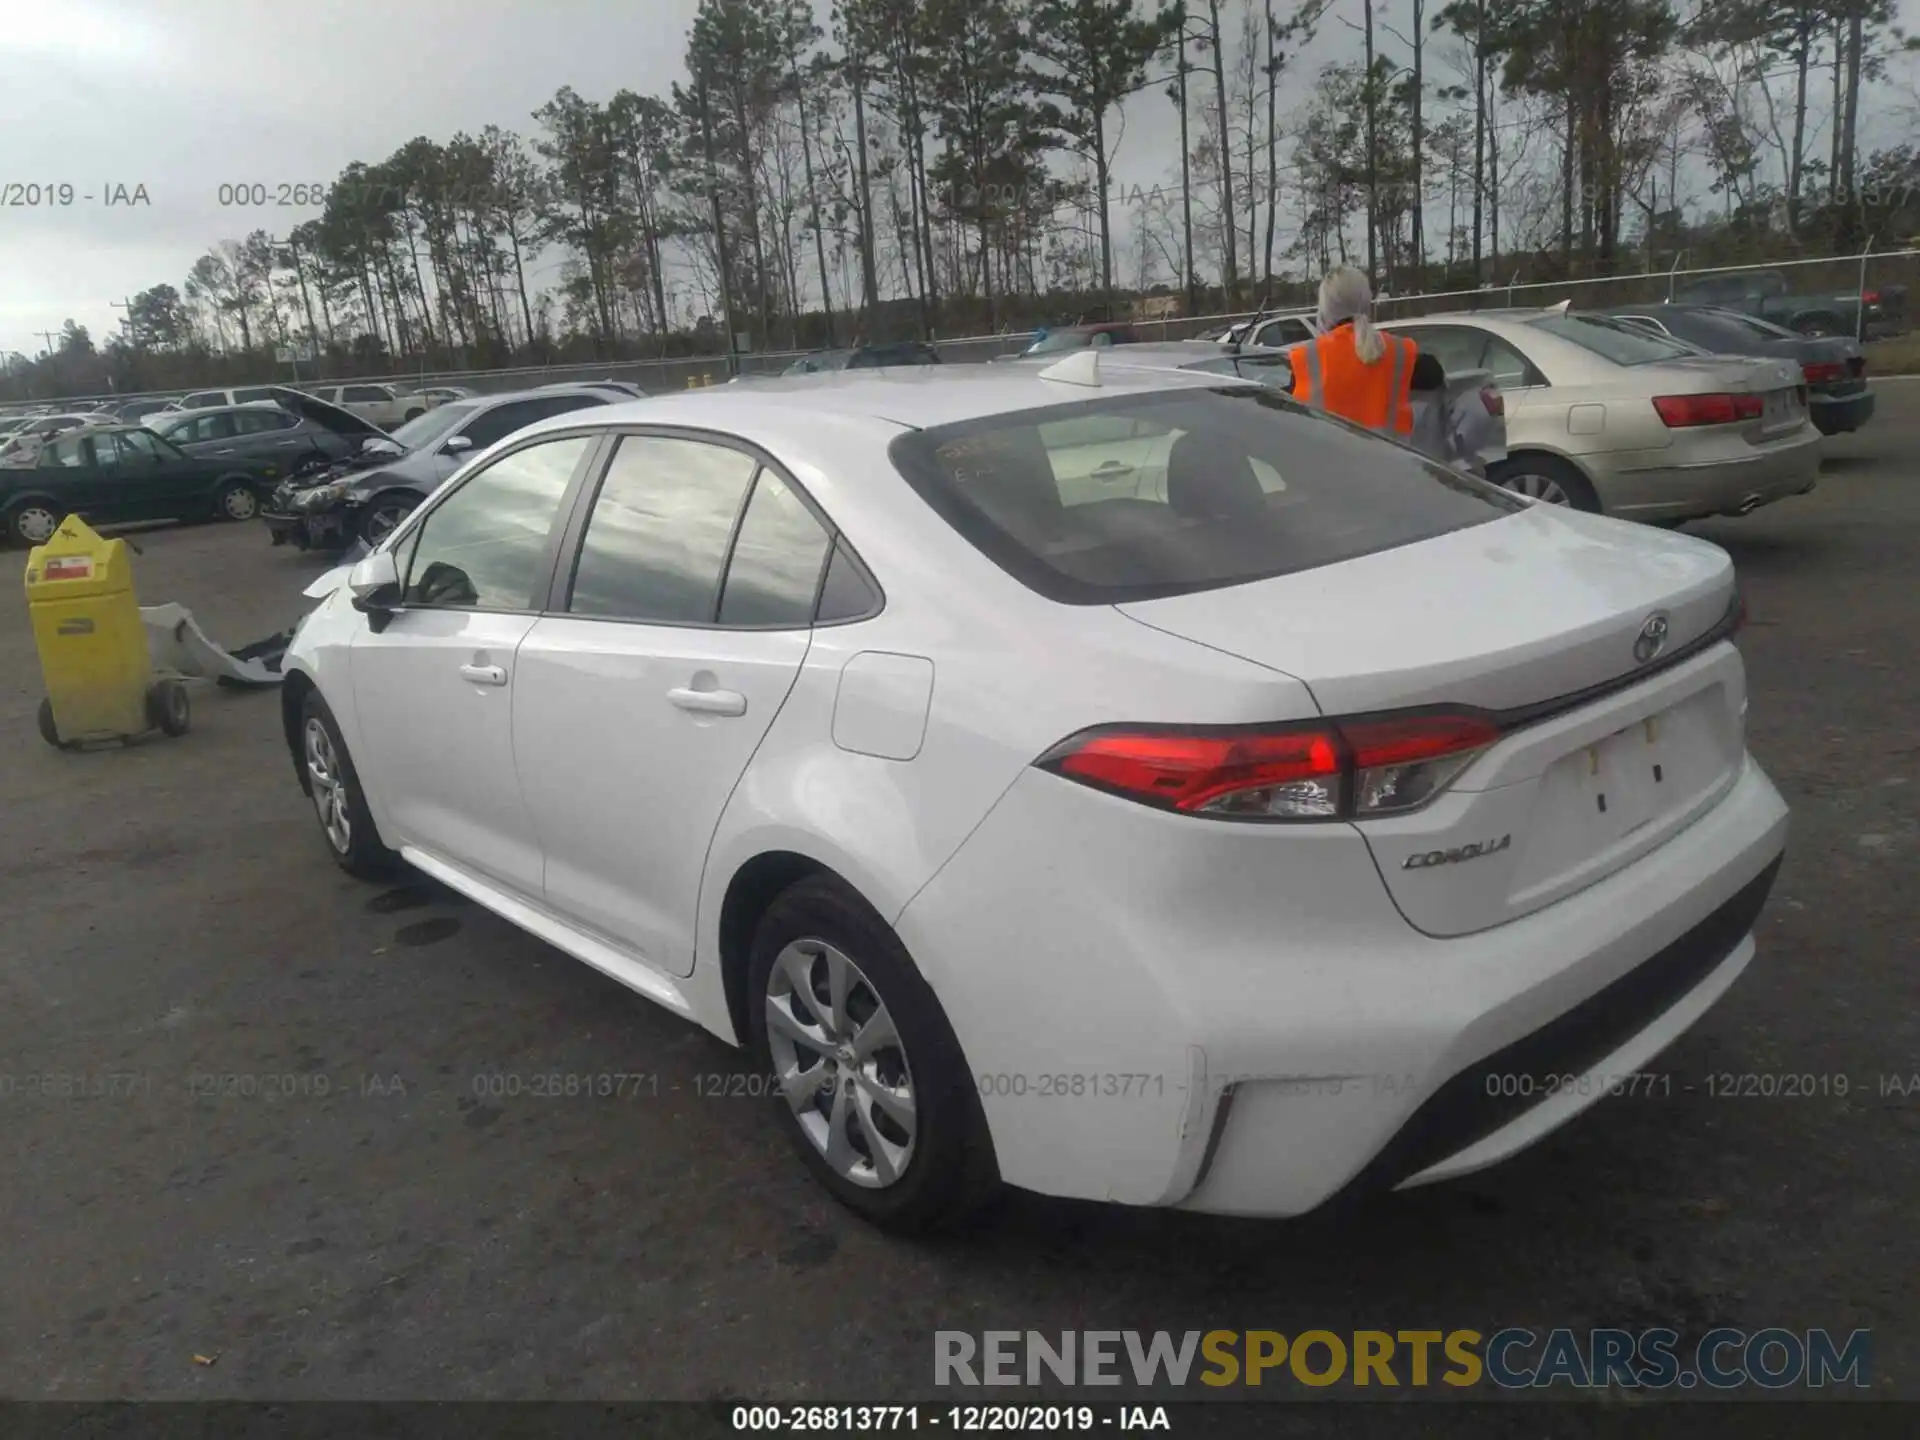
(1681, 411)
(1495, 402)
(1820, 372)
(1401, 762)
(1872, 297)
(1327, 770)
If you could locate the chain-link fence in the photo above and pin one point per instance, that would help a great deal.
(1838, 281)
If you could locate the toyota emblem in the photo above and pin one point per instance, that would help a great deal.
(1652, 638)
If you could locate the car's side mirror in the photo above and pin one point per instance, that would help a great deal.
(457, 443)
(375, 586)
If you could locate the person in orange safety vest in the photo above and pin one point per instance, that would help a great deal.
(1352, 369)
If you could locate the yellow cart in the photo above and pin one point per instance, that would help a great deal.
(93, 646)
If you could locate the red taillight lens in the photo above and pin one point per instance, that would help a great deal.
(1679, 412)
(1872, 297)
(1495, 402)
(1330, 771)
(1404, 761)
(1296, 772)
(1821, 372)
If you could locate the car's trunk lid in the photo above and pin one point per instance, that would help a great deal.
(1778, 382)
(1542, 617)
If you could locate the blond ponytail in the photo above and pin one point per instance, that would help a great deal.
(1368, 343)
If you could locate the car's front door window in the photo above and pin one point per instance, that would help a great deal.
(486, 546)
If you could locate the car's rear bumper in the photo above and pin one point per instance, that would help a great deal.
(1636, 486)
(1241, 1022)
(1834, 414)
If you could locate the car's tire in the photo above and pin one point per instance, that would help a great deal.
(32, 522)
(168, 709)
(384, 514)
(49, 731)
(1545, 477)
(412, 415)
(334, 787)
(236, 500)
(896, 1133)
(1817, 324)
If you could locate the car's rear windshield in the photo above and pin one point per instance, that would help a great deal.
(1132, 498)
(1620, 341)
(1752, 324)
(1714, 329)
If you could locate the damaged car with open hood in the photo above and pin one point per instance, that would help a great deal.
(365, 495)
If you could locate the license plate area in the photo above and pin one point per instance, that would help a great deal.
(1782, 410)
(1628, 777)
(1602, 804)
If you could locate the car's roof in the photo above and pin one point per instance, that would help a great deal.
(1515, 317)
(909, 396)
(199, 410)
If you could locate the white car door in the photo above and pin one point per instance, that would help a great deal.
(638, 709)
(434, 688)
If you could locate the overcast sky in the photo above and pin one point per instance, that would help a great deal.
(182, 96)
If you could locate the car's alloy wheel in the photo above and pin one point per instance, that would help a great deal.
(34, 524)
(338, 797)
(384, 519)
(841, 1064)
(1536, 486)
(329, 786)
(868, 1079)
(238, 502)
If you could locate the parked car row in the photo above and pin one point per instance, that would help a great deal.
(1662, 413)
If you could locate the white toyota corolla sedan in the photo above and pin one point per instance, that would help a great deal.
(1229, 822)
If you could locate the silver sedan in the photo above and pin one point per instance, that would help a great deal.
(1603, 416)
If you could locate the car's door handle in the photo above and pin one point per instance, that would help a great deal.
(484, 674)
(1111, 467)
(709, 702)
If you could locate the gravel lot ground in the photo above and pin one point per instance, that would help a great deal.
(170, 914)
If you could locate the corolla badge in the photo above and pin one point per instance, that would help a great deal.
(1652, 638)
(1427, 859)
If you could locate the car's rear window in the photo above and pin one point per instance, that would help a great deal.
(1132, 498)
(1620, 341)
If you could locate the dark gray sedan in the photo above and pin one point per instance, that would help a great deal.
(365, 495)
(1833, 366)
(287, 435)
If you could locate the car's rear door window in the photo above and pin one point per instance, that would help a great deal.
(773, 573)
(657, 536)
(1229, 486)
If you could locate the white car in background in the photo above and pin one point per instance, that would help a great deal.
(1326, 821)
(387, 406)
(23, 446)
(1602, 415)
